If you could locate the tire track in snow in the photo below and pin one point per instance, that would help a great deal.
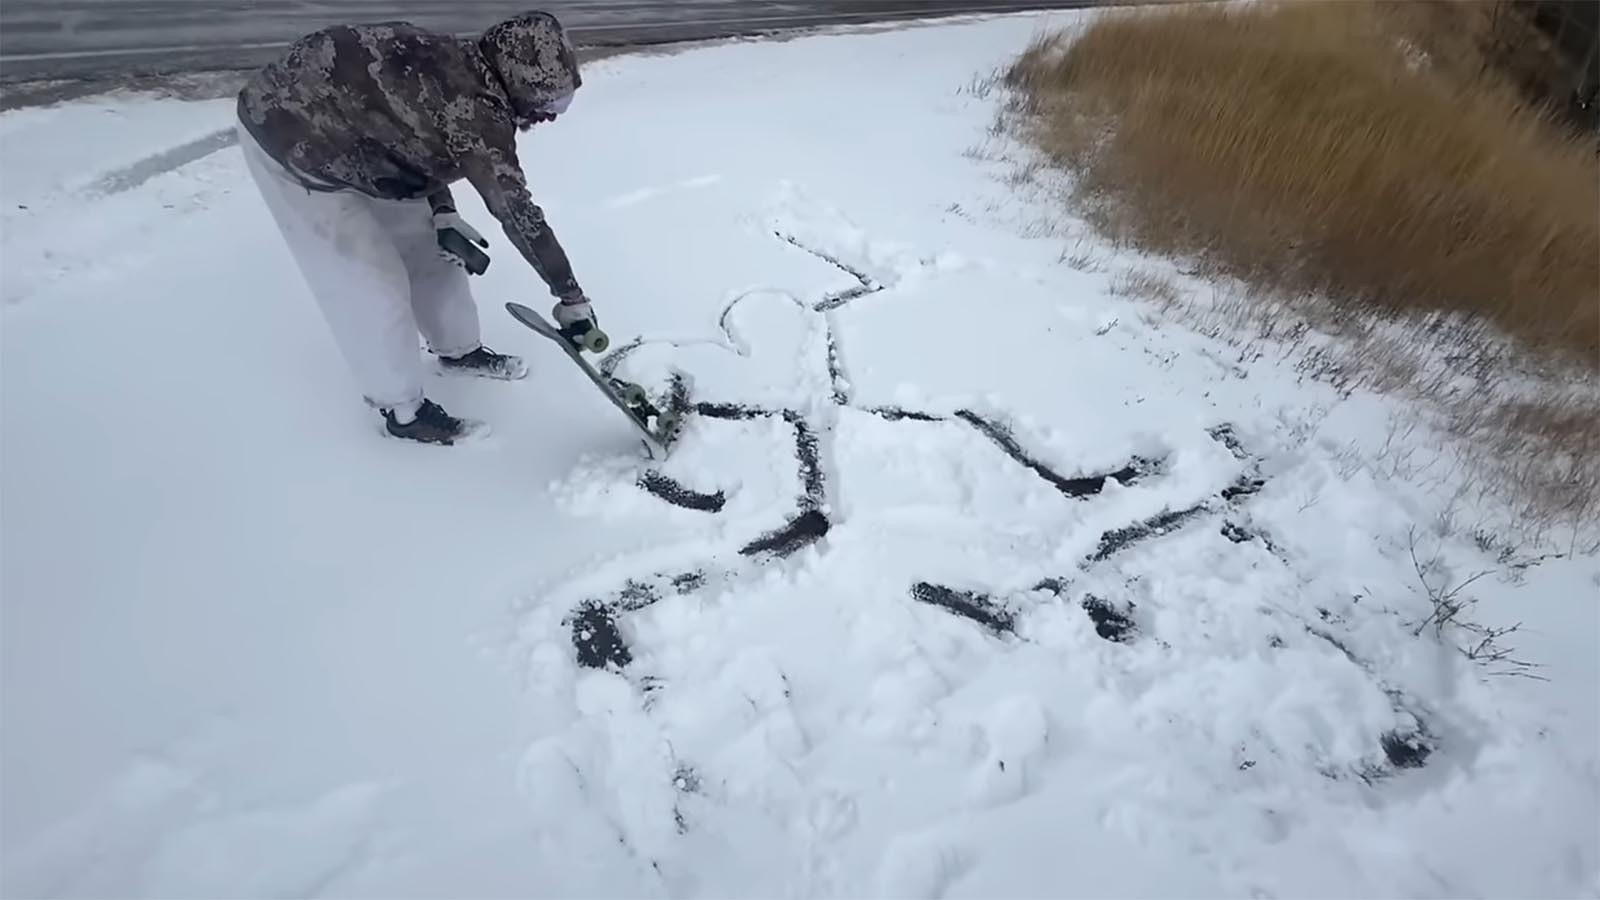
(172, 159)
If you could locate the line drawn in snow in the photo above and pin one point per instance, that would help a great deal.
(672, 491)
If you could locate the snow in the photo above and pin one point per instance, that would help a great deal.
(1099, 610)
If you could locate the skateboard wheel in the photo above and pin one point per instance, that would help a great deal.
(594, 340)
(667, 423)
(632, 394)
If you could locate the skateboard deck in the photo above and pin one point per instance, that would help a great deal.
(657, 440)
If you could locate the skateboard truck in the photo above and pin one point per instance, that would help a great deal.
(638, 403)
(629, 398)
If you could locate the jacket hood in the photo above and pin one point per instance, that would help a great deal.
(534, 59)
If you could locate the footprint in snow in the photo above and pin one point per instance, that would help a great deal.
(1015, 734)
(923, 866)
(830, 815)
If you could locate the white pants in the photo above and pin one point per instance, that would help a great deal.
(374, 268)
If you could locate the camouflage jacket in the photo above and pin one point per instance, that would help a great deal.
(397, 112)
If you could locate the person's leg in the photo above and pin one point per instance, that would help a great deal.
(356, 274)
(441, 296)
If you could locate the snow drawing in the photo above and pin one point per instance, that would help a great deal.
(598, 624)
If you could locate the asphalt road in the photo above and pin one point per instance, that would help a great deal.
(115, 39)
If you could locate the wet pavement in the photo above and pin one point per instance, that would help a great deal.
(112, 40)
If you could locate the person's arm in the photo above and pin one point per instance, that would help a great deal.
(497, 176)
(455, 237)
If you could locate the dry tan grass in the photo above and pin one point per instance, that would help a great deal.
(1371, 155)
(1309, 147)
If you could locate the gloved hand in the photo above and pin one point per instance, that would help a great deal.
(456, 239)
(576, 319)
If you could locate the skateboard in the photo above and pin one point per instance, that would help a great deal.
(626, 396)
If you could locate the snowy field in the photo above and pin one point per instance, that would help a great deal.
(968, 577)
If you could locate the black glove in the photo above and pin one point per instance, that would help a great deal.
(456, 239)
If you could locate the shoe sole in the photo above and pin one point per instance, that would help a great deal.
(518, 375)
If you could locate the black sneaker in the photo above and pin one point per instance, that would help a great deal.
(431, 426)
(486, 363)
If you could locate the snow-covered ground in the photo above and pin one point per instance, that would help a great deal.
(967, 578)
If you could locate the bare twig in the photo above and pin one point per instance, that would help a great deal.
(1483, 644)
